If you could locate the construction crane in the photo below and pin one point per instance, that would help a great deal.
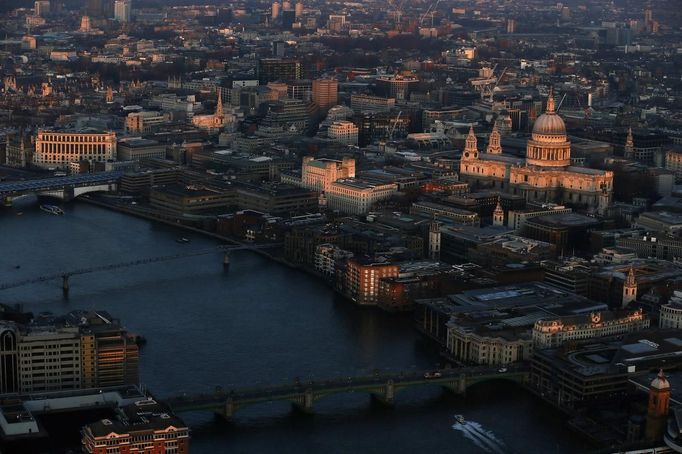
(561, 102)
(395, 123)
(432, 10)
(492, 90)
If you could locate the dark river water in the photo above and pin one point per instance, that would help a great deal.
(261, 323)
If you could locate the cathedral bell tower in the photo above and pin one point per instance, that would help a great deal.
(494, 145)
(471, 146)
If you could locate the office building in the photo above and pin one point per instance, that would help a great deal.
(79, 350)
(136, 148)
(278, 70)
(343, 131)
(58, 148)
(319, 174)
(325, 93)
(122, 10)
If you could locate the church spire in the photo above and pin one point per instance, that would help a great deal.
(498, 214)
(219, 105)
(550, 101)
(629, 287)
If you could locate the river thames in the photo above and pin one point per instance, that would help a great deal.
(260, 323)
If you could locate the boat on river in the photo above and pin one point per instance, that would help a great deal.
(52, 209)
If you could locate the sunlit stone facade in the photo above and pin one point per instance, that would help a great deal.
(59, 148)
(545, 175)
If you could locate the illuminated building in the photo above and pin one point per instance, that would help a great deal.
(357, 196)
(362, 278)
(275, 10)
(549, 333)
(325, 93)
(80, 350)
(57, 148)
(211, 122)
(343, 131)
(319, 174)
(143, 427)
(546, 174)
(144, 121)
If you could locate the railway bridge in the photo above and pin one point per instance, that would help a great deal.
(64, 188)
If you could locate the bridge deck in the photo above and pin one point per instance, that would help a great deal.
(143, 261)
(368, 384)
(46, 184)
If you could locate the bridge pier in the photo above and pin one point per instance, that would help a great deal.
(387, 398)
(462, 384)
(228, 410)
(65, 285)
(226, 260)
(305, 404)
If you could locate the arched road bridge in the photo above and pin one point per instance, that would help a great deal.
(66, 275)
(383, 387)
(65, 188)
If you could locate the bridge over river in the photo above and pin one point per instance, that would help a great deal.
(66, 275)
(382, 387)
(65, 188)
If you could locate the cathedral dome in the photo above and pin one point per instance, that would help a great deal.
(549, 123)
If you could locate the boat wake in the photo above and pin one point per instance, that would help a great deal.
(484, 439)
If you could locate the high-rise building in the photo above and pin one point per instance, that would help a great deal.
(275, 10)
(122, 10)
(41, 8)
(298, 9)
(278, 69)
(288, 19)
(325, 93)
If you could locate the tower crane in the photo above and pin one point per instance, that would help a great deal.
(432, 7)
(395, 123)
